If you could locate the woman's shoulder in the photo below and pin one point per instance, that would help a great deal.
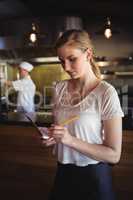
(104, 86)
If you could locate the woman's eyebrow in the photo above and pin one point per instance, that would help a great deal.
(69, 56)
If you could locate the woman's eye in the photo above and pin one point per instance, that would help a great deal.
(72, 59)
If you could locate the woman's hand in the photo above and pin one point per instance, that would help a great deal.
(60, 134)
(49, 142)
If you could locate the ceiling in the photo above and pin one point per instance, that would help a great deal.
(16, 16)
(21, 9)
(24, 8)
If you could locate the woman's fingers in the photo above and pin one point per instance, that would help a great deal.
(49, 142)
(56, 131)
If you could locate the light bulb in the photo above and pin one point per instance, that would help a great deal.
(33, 34)
(33, 37)
(108, 33)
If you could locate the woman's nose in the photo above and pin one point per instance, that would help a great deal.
(67, 66)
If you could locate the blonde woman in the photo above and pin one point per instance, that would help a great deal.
(87, 146)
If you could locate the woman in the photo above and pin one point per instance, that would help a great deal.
(85, 147)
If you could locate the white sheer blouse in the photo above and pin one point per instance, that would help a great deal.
(100, 104)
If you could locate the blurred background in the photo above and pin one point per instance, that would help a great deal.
(29, 29)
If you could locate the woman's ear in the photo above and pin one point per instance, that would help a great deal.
(89, 54)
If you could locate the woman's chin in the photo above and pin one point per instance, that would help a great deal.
(74, 76)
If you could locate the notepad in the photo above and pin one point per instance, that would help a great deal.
(41, 130)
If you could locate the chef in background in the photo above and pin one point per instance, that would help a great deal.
(25, 88)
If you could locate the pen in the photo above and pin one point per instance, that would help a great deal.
(68, 121)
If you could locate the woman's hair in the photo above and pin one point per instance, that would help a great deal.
(81, 40)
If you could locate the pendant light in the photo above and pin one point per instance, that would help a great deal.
(33, 34)
(108, 30)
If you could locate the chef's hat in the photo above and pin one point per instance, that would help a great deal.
(25, 65)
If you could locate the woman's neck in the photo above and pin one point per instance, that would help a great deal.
(85, 85)
(86, 81)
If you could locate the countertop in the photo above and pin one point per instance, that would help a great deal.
(15, 118)
(44, 119)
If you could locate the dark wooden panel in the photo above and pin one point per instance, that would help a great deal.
(27, 167)
(123, 171)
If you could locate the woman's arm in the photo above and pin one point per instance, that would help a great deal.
(109, 151)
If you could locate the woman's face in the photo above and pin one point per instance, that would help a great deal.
(74, 61)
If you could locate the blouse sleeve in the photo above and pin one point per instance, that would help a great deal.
(111, 105)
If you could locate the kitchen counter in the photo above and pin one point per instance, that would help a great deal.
(28, 167)
(45, 119)
(15, 118)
